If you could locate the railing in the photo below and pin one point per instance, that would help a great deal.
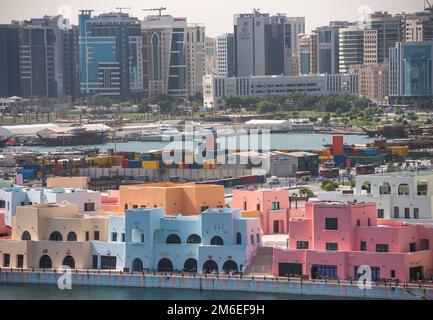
(427, 285)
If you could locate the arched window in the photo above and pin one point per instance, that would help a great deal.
(369, 222)
(217, 241)
(72, 236)
(45, 262)
(422, 188)
(69, 261)
(26, 236)
(367, 187)
(194, 238)
(137, 265)
(56, 236)
(165, 265)
(403, 189)
(210, 266)
(358, 223)
(137, 235)
(190, 265)
(230, 266)
(385, 188)
(238, 238)
(173, 239)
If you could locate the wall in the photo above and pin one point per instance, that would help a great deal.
(68, 182)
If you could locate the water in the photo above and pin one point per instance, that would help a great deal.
(299, 141)
(51, 292)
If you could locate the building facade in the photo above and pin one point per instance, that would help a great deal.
(328, 48)
(351, 47)
(307, 54)
(373, 81)
(225, 55)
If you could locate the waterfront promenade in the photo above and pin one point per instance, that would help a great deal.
(277, 285)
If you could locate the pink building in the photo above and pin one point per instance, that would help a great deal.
(270, 205)
(4, 230)
(334, 239)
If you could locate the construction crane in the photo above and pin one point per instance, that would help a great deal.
(123, 8)
(156, 9)
(428, 6)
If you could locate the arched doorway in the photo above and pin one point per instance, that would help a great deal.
(165, 265)
(69, 261)
(194, 238)
(217, 241)
(45, 262)
(190, 265)
(173, 239)
(137, 265)
(72, 236)
(56, 236)
(26, 236)
(230, 266)
(210, 266)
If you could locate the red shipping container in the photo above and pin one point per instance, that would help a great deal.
(338, 145)
(125, 163)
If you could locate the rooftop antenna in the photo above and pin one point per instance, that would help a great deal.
(156, 9)
(123, 8)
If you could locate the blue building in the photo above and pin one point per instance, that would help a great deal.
(218, 240)
(410, 70)
(111, 60)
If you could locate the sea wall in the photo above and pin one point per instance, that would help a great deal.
(201, 283)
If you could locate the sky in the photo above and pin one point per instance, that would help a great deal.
(217, 15)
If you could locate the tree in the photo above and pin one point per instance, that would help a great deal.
(306, 192)
(329, 185)
(266, 107)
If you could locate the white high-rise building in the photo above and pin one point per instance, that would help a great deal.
(225, 55)
(195, 56)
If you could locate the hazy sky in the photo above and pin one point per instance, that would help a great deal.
(217, 15)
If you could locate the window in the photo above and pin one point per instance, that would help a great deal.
(403, 189)
(412, 247)
(126, 206)
(173, 239)
(369, 222)
(95, 261)
(258, 238)
(406, 213)
(26, 236)
(380, 213)
(135, 206)
(358, 223)
(123, 237)
(216, 241)
(194, 238)
(258, 207)
(392, 273)
(330, 246)
(56, 236)
(2, 204)
(363, 245)
(252, 239)
(204, 208)
(87, 236)
(72, 236)
(331, 224)
(245, 205)
(6, 260)
(382, 248)
(114, 236)
(142, 238)
(96, 235)
(20, 261)
(302, 245)
(396, 212)
(275, 206)
(416, 213)
(89, 207)
(238, 238)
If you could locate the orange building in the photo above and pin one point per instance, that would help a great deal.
(187, 199)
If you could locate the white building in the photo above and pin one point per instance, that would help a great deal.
(225, 56)
(87, 201)
(398, 195)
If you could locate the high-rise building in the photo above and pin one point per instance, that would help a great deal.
(9, 61)
(210, 54)
(165, 67)
(351, 47)
(389, 30)
(225, 55)
(371, 52)
(111, 60)
(411, 70)
(195, 56)
(418, 27)
(264, 43)
(373, 81)
(328, 48)
(307, 50)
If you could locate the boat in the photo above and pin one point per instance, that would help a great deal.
(73, 136)
(162, 133)
(4, 141)
(387, 131)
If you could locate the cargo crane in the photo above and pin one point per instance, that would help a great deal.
(123, 8)
(156, 9)
(428, 5)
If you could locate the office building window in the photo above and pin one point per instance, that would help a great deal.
(331, 224)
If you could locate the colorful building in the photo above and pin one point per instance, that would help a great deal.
(335, 239)
(188, 199)
(270, 205)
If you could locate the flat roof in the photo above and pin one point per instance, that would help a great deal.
(402, 174)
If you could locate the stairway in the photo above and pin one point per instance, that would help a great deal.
(261, 264)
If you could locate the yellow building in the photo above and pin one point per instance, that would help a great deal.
(188, 199)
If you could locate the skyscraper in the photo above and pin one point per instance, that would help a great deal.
(418, 27)
(307, 49)
(351, 47)
(110, 56)
(210, 53)
(328, 48)
(9, 61)
(195, 55)
(411, 70)
(225, 50)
